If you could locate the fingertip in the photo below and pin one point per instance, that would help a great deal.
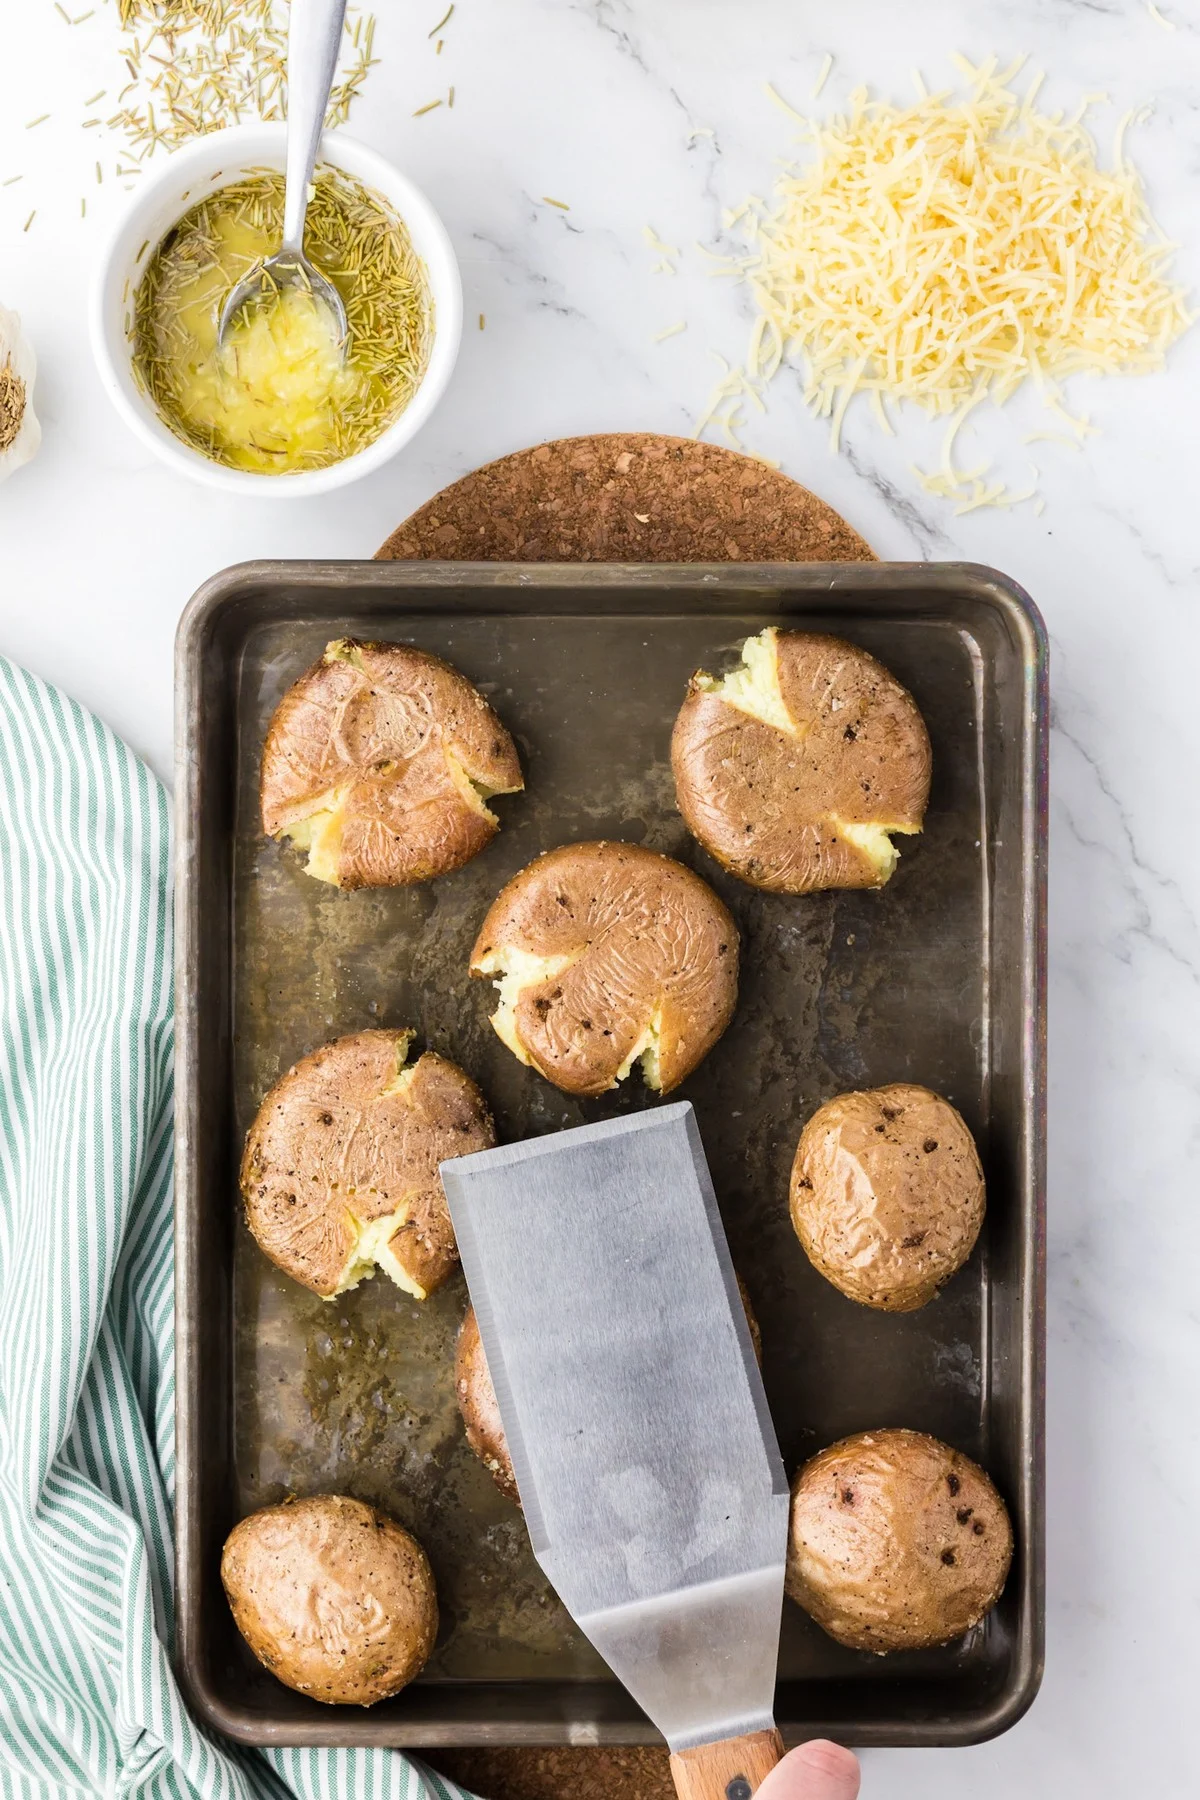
(831, 1766)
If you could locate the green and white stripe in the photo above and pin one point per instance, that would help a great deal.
(88, 1703)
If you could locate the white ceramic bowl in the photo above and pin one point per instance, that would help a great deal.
(163, 196)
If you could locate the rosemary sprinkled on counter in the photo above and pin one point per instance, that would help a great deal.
(196, 65)
(279, 398)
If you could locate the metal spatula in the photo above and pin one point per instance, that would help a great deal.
(647, 1464)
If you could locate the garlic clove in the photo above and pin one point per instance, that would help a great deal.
(20, 432)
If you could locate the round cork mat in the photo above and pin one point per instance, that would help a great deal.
(558, 1774)
(629, 496)
(626, 496)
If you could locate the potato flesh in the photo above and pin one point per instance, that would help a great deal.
(320, 833)
(647, 1051)
(518, 969)
(371, 1246)
(371, 1252)
(754, 687)
(475, 793)
(513, 970)
(874, 842)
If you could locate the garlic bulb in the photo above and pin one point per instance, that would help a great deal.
(20, 433)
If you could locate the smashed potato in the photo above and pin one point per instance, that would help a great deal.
(340, 1171)
(797, 769)
(379, 762)
(606, 955)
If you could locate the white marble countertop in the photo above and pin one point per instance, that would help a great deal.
(592, 101)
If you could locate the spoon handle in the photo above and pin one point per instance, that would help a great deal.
(314, 37)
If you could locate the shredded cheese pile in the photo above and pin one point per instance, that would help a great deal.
(945, 252)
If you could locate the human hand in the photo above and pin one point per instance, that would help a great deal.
(816, 1771)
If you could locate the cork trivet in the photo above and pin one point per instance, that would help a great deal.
(618, 497)
(559, 1774)
(626, 497)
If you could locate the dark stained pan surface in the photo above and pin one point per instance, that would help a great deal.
(938, 978)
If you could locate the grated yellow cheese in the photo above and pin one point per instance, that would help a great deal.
(948, 251)
(655, 242)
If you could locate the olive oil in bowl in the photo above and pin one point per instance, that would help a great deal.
(283, 395)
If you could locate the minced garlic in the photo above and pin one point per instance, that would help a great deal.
(276, 384)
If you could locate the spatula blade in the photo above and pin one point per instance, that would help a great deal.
(635, 1414)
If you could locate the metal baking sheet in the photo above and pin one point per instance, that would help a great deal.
(938, 978)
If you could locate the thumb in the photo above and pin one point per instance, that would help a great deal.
(816, 1771)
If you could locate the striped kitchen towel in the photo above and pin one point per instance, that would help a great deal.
(88, 1703)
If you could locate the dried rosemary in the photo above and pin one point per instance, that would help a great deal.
(196, 65)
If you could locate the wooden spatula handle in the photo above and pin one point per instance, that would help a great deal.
(730, 1770)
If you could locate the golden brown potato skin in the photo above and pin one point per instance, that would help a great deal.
(333, 1597)
(382, 719)
(887, 1194)
(766, 803)
(477, 1397)
(477, 1404)
(646, 936)
(751, 1321)
(897, 1542)
(330, 1140)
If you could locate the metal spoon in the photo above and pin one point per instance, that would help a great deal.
(314, 37)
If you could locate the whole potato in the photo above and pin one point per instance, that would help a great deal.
(897, 1542)
(333, 1597)
(887, 1194)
